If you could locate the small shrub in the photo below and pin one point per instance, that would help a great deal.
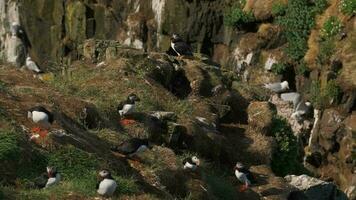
(237, 17)
(331, 27)
(321, 97)
(297, 23)
(278, 9)
(348, 7)
(302, 69)
(285, 157)
(279, 68)
(326, 51)
(315, 94)
(126, 185)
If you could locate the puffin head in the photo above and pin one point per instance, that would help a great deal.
(51, 171)
(239, 166)
(103, 174)
(196, 160)
(133, 97)
(175, 38)
(308, 104)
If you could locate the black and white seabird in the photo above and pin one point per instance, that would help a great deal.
(31, 65)
(277, 87)
(106, 185)
(16, 29)
(128, 106)
(132, 146)
(50, 178)
(40, 115)
(300, 106)
(191, 163)
(243, 175)
(180, 47)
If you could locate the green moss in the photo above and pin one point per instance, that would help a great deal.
(320, 5)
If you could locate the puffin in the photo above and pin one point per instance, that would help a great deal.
(106, 184)
(40, 115)
(277, 87)
(243, 175)
(128, 106)
(191, 163)
(48, 179)
(132, 146)
(180, 47)
(31, 65)
(16, 29)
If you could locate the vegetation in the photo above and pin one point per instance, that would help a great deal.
(237, 17)
(279, 68)
(302, 69)
(320, 5)
(278, 9)
(348, 7)
(285, 158)
(220, 187)
(326, 51)
(9, 148)
(331, 27)
(323, 96)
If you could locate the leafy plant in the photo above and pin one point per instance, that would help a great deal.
(297, 23)
(348, 7)
(278, 9)
(331, 27)
(321, 97)
(279, 68)
(285, 157)
(332, 90)
(237, 17)
(320, 5)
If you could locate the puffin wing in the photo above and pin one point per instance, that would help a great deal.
(183, 48)
(32, 66)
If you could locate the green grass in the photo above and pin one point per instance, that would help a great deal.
(331, 27)
(219, 186)
(348, 7)
(302, 69)
(9, 147)
(327, 48)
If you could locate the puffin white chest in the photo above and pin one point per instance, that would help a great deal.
(38, 117)
(188, 165)
(128, 108)
(172, 45)
(53, 180)
(242, 177)
(107, 187)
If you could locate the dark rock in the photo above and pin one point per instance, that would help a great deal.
(314, 159)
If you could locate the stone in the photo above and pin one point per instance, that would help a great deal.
(165, 116)
(330, 122)
(260, 116)
(314, 188)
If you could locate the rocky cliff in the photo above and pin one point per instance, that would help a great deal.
(238, 45)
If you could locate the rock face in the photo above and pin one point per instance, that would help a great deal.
(314, 188)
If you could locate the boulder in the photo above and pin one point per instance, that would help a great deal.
(314, 188)
(260, 116)
(330, 122)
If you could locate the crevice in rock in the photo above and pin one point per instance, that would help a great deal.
(91, 23)
(179, 85)
(207, 46)
(289, 75)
